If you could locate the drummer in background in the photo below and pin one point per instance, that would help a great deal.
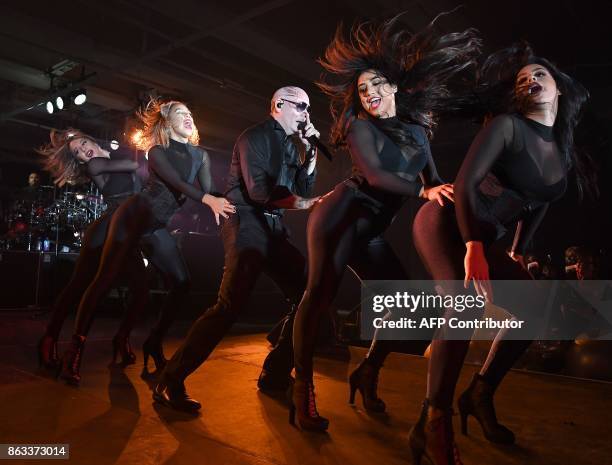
(34, 180)
(35, 192)
(21, 207)
(32, 189)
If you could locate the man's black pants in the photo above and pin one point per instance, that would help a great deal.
(254, 242)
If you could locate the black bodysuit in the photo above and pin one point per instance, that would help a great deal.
(115, 178)
(171, 175)
(345, 227)
(384, 173)
(141, 221)
(512, 171)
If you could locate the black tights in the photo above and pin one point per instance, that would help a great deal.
(381, 263)
(437, 239)
(342, 231)
(163, 252)
(84, 272)
(130, 228)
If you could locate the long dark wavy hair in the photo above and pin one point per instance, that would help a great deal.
(496, 92)
(422, 66)
(60, 162)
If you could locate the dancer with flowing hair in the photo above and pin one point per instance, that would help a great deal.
(175, 160)
(517, 164)
(73, 157)
(389, 87)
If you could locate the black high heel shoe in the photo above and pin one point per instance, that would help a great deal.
(302, 402)
(70, 368)
(434, 439)
(121, 345)
(477, 400)
(365, 380)
(152, 347)
(47, 353)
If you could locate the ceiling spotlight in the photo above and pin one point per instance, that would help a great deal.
(114, 144)
(49, 107)
(79, 97)
(59, 103)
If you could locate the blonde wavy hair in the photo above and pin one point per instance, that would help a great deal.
(60, 162)
(156, 125)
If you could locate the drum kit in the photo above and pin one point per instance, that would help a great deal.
(51, 219)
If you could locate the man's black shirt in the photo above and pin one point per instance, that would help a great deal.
(265, 167)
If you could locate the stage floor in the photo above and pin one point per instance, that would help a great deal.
(110, 418)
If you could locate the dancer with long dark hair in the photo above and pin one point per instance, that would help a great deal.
(171, 138)
(75, 158)
(390, 87)
(517, 164)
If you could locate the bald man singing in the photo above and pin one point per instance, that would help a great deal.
(267, 175)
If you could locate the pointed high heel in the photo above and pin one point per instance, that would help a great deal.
(70, 368)
(47, 353)
(477, 400)
(365, 380)
(121, 345)
(302, 404)
(433, 439)
(152, 347)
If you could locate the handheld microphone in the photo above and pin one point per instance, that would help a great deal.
(314, 141)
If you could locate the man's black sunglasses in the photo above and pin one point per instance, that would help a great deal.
(299, 106)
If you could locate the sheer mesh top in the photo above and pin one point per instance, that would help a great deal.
(512, 171)
(113, 176)
(383, 172)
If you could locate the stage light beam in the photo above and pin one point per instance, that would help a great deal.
(136, 136)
